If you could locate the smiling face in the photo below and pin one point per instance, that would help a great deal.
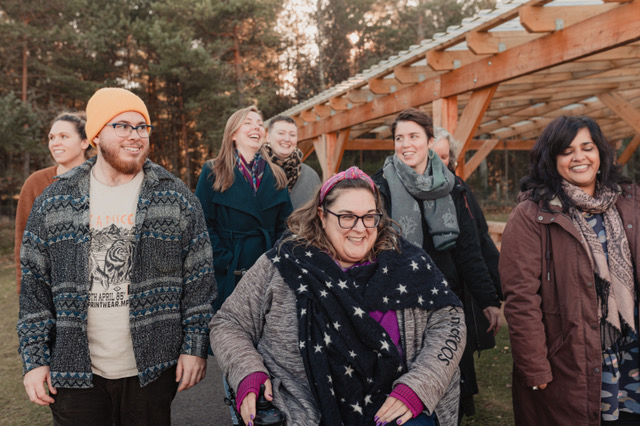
(66, 145)
(351, 245)
(578, 164)
(283, 138)
(412, 145)
(122, 156)
(249, 137)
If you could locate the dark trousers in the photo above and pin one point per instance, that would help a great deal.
(117, 402)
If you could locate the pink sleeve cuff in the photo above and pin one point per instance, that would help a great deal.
(406, 395)
(249, 384)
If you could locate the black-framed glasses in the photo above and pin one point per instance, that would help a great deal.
(349, 220)
(123, 130)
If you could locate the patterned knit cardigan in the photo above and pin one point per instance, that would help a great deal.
(172, 280)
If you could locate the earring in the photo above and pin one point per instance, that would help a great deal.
(598, 172)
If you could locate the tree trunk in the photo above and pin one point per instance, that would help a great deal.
(237, 60)
(319, 39)
(183, 139)
(26, 158)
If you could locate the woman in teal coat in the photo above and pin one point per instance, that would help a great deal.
(244, 198)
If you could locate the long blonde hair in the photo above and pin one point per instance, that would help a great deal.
(225, 162)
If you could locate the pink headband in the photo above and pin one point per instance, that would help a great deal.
(351, 173)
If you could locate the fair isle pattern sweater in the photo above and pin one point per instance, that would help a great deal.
(172, 280)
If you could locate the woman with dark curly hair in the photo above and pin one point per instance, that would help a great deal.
(569, 271)
(344, 321)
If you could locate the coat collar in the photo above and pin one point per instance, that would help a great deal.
(240, 196)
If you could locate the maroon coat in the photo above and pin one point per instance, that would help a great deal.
(551, 310)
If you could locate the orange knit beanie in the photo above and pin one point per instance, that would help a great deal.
(108, 102)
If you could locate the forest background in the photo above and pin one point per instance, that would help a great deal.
(193, 62)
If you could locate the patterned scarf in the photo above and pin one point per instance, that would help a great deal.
(614, 273)
(291, 165)
(433, 188)
(350, 360)
(252, 171)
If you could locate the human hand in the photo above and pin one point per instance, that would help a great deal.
(393, 408)
(190, 370)
(34, 384)
(495, 321)
(248, 406)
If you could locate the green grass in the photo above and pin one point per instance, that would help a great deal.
(7, 236)
(15, 407)
(493, 367)
(493, 370)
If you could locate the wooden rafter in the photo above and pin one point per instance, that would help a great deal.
(469, 121)
(607, 30)
(630, 149)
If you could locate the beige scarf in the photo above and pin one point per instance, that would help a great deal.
(614, 274)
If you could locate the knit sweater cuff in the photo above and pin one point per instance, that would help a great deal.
(249, 384)
(406, 395)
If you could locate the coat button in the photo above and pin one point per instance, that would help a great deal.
(629, 196)
(539, 217)
(552, 219)
(596, 370)
(629, 226)
(589, 285)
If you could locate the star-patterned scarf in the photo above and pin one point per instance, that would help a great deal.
(350, 360)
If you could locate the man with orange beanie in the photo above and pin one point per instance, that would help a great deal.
(118, 280)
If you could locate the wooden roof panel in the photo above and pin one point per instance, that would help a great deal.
(540, 58)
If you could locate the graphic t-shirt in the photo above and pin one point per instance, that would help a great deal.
(113, 214)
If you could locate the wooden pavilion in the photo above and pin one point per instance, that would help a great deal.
(494, 82)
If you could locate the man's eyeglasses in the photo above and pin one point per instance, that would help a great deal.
(349, 220)
(123, 130)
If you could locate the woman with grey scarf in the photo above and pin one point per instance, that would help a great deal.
(422, 196)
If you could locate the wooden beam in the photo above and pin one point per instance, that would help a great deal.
(611, 29)
(489, 43)
(474, 145)
(323, 111)
(359, 96)
(369, 145)
(338, 150)
(622, 108)
(470, 119)
(448, 60)
(329, 150)
(630, 149)
(477, 158)
(309, 116)
(412, 74)
(538, 19)
(307, 148)
(503, 145)
(383, 86)
(320, 146)
(341, 103)
(445, 113)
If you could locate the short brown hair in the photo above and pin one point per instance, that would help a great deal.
(418, 117)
